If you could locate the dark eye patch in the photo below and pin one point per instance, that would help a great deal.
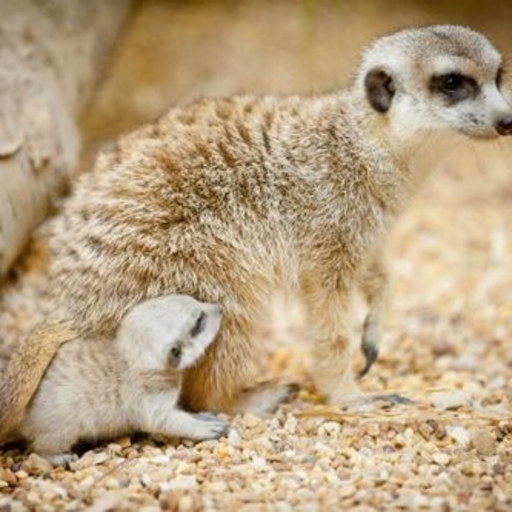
(454, 87)
(499, 77)
(199, 325)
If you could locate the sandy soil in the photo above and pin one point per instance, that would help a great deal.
(448, 336)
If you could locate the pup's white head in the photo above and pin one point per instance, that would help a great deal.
(167, 332)
(439, 78)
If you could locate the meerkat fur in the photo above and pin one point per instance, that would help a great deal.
(95, 390)
(234, 200)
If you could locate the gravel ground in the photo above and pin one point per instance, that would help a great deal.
(447, 342)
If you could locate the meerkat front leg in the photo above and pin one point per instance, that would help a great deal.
(158, 414)
(374, 284)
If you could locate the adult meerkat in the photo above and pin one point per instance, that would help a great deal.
(99, 388)
(235, 200)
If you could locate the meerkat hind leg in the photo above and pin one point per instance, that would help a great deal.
(267, 397)
(221, 381)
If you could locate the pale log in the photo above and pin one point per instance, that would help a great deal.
(51, 54)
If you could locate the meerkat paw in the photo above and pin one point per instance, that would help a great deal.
(206, 416)
(207, 429)
(267, 397)
(391, 399)
(61, 459)
(348, 396)
(372, 401)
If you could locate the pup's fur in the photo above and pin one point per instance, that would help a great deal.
(235, 200)
(100, 389)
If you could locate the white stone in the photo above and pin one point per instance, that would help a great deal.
(234, 438)
(460, 434)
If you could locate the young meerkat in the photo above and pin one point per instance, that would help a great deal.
(98, 389)
(236, 200)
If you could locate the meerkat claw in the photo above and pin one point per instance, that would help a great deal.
(213, 429)
(393, 399)
(371, 353)
(363, 402)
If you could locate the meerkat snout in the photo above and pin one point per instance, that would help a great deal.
(441, 78)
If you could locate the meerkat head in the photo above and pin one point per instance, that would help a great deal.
(170, 332)
(439, 78)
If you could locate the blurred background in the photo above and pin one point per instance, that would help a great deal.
(175, 51)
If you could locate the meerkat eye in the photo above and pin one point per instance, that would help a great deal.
(454, 86)
(450, 83)
(499, 77)
(175, 355)
(199, 325)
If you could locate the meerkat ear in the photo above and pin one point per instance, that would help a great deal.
(380, 89)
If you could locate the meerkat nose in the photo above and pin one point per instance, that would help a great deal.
(504, 125)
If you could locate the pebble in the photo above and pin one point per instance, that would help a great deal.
(234, 438)
(37, 465)
(484, 442)
(450, 400)
(181, 483)
(259, 463)
(291, 425)
(86, 482)
(442, 459)
(459, 434)
(8, 476)
(330, 429)
(250, 420)
(345, 491)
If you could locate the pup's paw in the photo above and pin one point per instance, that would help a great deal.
(210, 429)
(62, 459)
(206, 416)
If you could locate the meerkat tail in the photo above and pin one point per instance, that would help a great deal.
(26, 369)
